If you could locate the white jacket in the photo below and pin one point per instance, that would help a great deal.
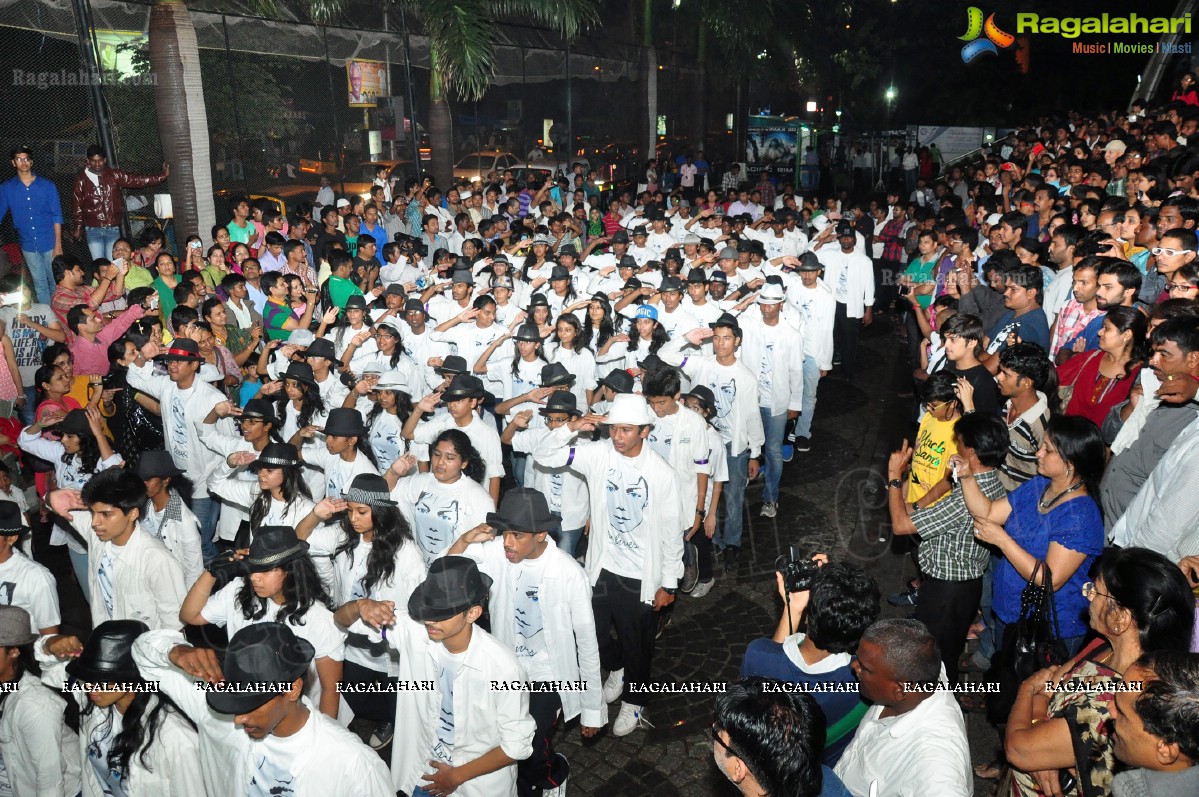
(664, 514)
(173, 768)
(860, 279)
(214, 437)
(40, 752)
(744, 417)
(565, 600)
(147, 582)
(484, 718)
(688, 457)
(819, 311)
(786, 377)
(335, 763)
(180, 411)
(179, 532)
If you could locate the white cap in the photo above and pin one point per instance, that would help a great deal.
(301, 337)
(993, 219)
(343, 203)
(464, 194)
(771, 294)
(394, 380)
(629, 408)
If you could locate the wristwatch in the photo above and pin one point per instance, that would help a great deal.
(895, 484)
(670, 590)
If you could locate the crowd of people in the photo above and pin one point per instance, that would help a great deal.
(440, 465)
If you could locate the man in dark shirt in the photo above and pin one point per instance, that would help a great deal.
(328, 234)
(1024, 319)
(962, 336)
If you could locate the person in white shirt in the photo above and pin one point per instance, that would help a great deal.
(818, 307)
(696, 302)
(166, 517)
(541, 608)
(635, 554)
(131, 743)
(462, 398)
(463, 735)
(39, 753)
(850, 274)
(738, 417)
(773, 347)
(184, 400)
(132, 574)
(24, 582)
(255, 741)
(346, 451)
(912, 741)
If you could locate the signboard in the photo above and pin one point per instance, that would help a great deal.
(771, 144)
(367, 82)
(952, 141)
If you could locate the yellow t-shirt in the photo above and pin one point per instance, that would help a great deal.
(930, 459)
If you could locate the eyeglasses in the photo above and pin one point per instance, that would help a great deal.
(1089, 592)
(1182, 287)
(933, 407)
(716, 738)
(1160, 251)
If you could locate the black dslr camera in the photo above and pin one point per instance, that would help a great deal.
(798, 569)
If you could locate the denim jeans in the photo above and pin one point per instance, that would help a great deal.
(27, 412)
(206, 511)
(101, 239)
(728, 535)
(775, 426)
(811, 380)
(41, 276)
(79, 565)
(568, 539)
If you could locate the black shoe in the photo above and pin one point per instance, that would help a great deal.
(803, 444)
(690, 567)
(730, 558)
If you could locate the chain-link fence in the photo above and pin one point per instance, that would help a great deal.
(277, 95)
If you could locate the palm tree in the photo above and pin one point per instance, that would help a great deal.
(462, 40)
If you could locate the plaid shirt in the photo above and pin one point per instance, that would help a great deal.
(948, 550)
(1070, 321)
(892, 237)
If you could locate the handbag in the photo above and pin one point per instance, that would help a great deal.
(1032, 643)
(1066, 392)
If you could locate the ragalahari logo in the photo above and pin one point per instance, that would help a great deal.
(994, 41)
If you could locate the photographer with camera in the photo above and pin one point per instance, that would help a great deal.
(826, 607)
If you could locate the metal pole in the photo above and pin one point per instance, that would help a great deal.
(87, 54)
(570, 125)
(333, 107)
(416, 167)
(241, 155)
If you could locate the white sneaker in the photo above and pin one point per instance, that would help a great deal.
(613, 686)
(557, 791)
(628, 720)
(769, 509)
(703, 588)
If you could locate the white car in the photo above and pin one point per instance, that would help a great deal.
(477, 165)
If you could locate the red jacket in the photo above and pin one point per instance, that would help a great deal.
(101, 205)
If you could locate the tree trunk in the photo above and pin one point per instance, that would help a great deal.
(441, 129)
(182, 118)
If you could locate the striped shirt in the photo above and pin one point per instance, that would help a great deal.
(1025, 434)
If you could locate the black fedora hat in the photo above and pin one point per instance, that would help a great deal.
(276, 455)
(370, 489)
(301, 372)
(12, 522)
(75, 422)
(107, 658)
(453, 364)
(562, 401)
(260, 409)
(356, 302)
(413, 305)
(538, 300)
(453, 585)
(697, 276)
(727, 320)
(157, 464)
(619, 381)
(464, 386)
(627, 261)
(273, 546)
(559, 273)
(181, 350)
(704, 394)
(568, 249)
(345, 422)
(321, 347)
(620, 237)
(523, 509)
(528, 332)
(554, 374)
(259, 654)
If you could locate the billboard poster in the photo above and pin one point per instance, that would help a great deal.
(367, 82)
(774, 147)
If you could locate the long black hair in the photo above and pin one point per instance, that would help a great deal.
(394, 334)
(593, 336)
(657, 339)
(41, 376)
(1080, 444)
(89, 454)
(311, 403)
(140, 725)
(302, 587)
(403, 408)
(572, 320)
(473, 465)
(391, 532)
(27, 662)
(293, 485)
(517, 358)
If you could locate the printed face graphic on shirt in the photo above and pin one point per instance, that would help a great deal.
(7, 590)
(626, 502)
(179, 431)
(435, 525)
(726, 394)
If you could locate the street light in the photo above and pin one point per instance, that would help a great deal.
(890, 95)
(811, 106)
